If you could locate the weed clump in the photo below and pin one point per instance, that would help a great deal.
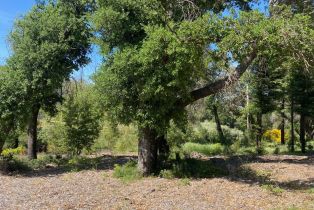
(273, 189)
(127, 172)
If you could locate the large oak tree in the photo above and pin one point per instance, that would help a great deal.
(159, 53)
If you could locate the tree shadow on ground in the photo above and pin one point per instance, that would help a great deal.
(234, 168)
(240, 172)
(61, 166)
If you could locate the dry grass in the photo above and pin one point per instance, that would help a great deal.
(97, 189)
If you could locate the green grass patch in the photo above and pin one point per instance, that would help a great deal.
(311, 190)
(205, 149)
(167, 174)
(127, 172)
(273, 189)
(185, 182)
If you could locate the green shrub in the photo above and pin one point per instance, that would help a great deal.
(22, 164)
(311, 190)
(167, 174)
(277, 150)
(185, 182)
(127, 172)
(202, 133)
(205, 149)
(176, 136)
(53, 132)
(19, 165)
(261, 150)
(7, 154)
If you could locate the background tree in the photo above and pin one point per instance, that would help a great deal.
(296, 70)
(48, 43)
(82, 120)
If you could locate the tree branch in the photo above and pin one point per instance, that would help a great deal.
(216, 86)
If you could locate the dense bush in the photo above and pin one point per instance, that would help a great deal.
(7, 154)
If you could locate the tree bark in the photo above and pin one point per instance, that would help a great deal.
(259, 129)
(248, 121)
(218, 125)
(32, 133)
(147, 151)
(302, 132)
(292, 126)
(1, 145)
(282, 127)
(16, 143)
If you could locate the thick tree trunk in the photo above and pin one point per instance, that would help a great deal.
(302, 133)
(218, 125)
(282, 127)
(32, 133)
(147, 151)
(292, 126)
(259, 129)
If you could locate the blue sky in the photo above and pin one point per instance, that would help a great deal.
(12, 9)
(9, 10)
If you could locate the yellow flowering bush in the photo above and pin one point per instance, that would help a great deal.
(9, 153)
(273, 135)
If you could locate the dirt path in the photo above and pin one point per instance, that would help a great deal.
(98, 190)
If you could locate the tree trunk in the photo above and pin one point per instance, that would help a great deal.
(292, 126)
(163, 148)
(147, 151)
(302, 132)
(16, 143)
(218, 125)
(248, 121)
(32, 133)
(1, 145)
(259, 129)
(282, 127)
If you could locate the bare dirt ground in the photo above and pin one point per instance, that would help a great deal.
(247, 187)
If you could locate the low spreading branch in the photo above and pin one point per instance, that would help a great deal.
(218, 85)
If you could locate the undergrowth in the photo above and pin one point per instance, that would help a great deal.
(127, 172)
